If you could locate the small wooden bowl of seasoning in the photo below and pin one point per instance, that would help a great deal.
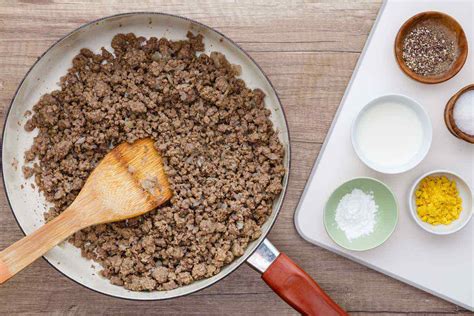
(459, 114)
(431, 47)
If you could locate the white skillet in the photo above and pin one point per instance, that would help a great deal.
(28, 205)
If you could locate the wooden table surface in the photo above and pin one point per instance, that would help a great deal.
(309, 50)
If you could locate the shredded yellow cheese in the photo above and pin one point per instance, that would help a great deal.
(438, 201)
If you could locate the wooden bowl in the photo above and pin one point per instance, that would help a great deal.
(436, 18)
(449, 117)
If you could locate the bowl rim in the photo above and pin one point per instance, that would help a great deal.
(426, 126)
(382, 241)
(458, 64)
(412, 206)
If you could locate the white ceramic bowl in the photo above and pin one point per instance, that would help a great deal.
(426, 140)
(465, 193)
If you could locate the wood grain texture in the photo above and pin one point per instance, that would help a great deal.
(308, 49)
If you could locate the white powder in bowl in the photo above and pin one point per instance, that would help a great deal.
(356, 214)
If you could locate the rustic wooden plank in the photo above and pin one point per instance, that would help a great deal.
(311, 86)
(308, 49)
(257, 25)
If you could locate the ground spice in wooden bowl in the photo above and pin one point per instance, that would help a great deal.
(429, 49)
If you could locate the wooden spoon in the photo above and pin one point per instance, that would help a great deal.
(128, 182)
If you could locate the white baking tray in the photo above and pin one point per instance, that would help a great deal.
(441, 265)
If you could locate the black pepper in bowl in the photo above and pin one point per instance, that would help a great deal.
(431, 47)
(429, 50)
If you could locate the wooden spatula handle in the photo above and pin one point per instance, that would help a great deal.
(29, 248)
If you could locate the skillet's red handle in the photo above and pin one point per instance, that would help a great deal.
(298, 289)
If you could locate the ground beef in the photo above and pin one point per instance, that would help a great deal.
(221, 153)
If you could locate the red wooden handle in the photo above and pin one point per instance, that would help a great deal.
(298, 289)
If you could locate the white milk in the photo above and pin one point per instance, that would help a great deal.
(389, 134)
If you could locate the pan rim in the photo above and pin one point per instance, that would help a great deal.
(288, 153)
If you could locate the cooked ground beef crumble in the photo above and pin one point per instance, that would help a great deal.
(222, 156)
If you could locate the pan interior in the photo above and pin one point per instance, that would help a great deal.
(28, 205)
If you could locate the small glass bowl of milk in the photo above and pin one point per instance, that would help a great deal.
(392, 134)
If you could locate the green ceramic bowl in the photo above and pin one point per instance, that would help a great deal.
(387, 215)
